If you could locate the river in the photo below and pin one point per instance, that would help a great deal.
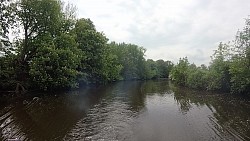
(128, 111)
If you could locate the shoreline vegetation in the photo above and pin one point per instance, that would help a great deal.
(55, 50)
(228, 71)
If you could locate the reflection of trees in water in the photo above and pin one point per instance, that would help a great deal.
(186, 98)
(137, 91)
(113, 113)
(233, 112)
(183, 101)
(46, 118)
(156, 87)
(51, 117)
(131, 93)
(230, 112)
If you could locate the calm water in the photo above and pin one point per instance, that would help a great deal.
(130, 111)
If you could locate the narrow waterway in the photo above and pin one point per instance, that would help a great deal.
(128, 111)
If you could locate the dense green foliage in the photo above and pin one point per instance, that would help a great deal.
(229, 70)
(56, 50)
(240, 62)
(180, 72)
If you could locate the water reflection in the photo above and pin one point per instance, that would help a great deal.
(152, 110)
(229, 118)
(48, 117)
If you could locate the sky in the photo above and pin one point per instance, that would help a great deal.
(168, 29)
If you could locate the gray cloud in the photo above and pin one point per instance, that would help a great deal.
(168, 29)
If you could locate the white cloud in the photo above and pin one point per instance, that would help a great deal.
(168, 29)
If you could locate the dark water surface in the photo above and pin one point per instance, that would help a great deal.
(130, 111)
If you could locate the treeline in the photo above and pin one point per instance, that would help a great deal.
(56, 50)
(229, 70)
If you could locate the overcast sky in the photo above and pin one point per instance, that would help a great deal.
(168, 29)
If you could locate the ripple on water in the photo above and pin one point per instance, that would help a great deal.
(149, 111)
(13, 121)
(105, 121)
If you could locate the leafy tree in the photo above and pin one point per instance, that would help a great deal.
(219, 77)
(203, 67)
(141, 67)
(111, 67)
(240, 66)
(35, 18)
(43, 23)
(131, 57)
(161, 68)
(164, 68)
(179, 73)
(55, 64)
(7, 72)
(152, 70)
(169, 66)
(197, 78)
(7, 18)
(69, 16)
(92, 43)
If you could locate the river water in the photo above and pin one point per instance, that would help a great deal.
(128, 111)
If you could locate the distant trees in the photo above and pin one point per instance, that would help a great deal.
(164, 68)
(158, 69)
(134, 66)
(131, 58)
(229, 70)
